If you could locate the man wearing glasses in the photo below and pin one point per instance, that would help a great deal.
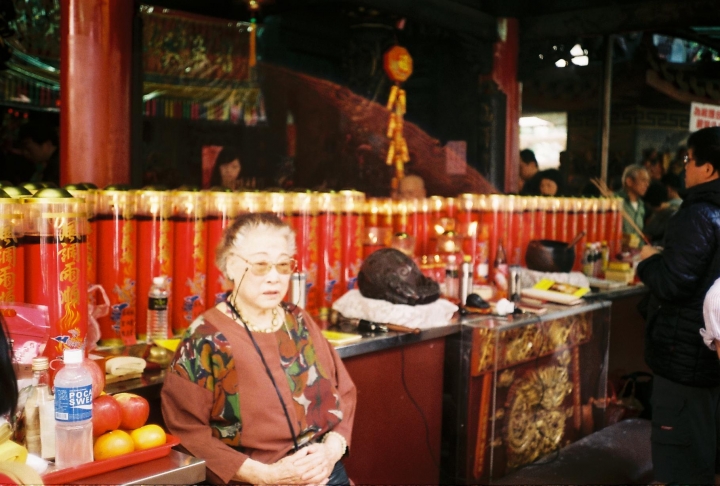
(686, 387)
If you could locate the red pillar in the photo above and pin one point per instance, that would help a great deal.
(95, 71)
(505, 66)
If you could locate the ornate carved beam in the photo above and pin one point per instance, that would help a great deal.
(613, 19)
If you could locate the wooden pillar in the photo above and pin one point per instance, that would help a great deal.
(505, 67)
(607, 98)
(95, 69)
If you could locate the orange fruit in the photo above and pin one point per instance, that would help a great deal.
(148, 436)
(113, 443)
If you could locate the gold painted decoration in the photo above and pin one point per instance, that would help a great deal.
(520, 345)
(537, 416)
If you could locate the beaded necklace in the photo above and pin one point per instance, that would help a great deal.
(275, 324)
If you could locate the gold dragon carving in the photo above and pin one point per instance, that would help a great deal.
(536, 416)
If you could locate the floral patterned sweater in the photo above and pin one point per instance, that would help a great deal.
(219, 400)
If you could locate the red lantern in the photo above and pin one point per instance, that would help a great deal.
(398, 64)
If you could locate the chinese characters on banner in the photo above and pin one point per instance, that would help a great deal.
(703, 115)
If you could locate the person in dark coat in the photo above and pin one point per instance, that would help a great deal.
(686, 387)
(529, 173)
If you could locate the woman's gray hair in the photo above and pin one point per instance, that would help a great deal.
(236, 233)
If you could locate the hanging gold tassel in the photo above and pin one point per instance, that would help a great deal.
(398, 153)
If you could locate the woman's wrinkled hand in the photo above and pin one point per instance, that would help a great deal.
(318, 464)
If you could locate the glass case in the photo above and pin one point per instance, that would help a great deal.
(522, 387)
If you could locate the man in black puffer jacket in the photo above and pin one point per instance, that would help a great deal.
(686, 388)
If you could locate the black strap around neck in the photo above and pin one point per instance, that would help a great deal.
(269, 373)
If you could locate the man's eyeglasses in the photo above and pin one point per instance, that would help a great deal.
(686, 160)
(285, 267)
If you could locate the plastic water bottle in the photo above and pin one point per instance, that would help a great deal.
(73, 412)
(157, 316)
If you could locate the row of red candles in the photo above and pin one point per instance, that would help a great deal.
(125, 243)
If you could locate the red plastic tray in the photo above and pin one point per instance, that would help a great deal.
(69, 474)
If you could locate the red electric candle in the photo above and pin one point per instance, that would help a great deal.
(330, 250)
(12, 271)
(116, 264)
(89, 195)
(514, 232)
(155, 258)
(221, 212)
(190, 264)
(56, 265)
(304, 220)
(351, 234)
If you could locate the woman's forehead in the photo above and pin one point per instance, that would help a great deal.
(264, 240)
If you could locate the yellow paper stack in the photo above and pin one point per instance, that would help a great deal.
(620, 272)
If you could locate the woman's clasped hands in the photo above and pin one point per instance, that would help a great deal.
(310, 465)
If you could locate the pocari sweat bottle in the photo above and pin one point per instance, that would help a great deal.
(73, 412)
(157, 315)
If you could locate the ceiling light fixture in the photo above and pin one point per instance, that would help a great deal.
(577, 50)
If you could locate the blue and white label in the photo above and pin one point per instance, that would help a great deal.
(73, 404)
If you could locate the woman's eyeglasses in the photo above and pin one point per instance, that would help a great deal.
(285, 267)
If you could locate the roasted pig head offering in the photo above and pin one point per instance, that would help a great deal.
(390, 275)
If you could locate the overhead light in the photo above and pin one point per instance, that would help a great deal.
(580, 60)
(533, 121)
(577, 50)
(561, 63)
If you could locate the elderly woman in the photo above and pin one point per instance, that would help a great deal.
(254, 387)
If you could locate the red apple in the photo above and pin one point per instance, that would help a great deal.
(135, 410)
(98, 376)
(106, 415)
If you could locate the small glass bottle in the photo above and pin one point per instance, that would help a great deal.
(501, 272)
(157, 315)
(605, 252)
(39, 395)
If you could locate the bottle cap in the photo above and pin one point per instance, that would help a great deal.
(158, 281)
(40, 363)
(73, 356)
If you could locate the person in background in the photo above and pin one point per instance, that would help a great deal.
(686, 386)
(226, 171)
(11, 472)
(655, 226)
(39, 145)
(411, 186)
(254, 388)
(676, 164)
(673, 184)
(529, 173)
(551, 183)
(636, 181)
